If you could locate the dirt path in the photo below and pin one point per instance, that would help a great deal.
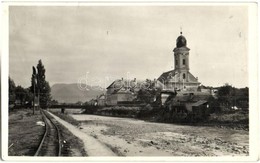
(131, 137)
(93, 147)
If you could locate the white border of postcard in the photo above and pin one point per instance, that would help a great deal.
(253, 84)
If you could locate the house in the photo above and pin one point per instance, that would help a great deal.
(122, 91)
(101, 100)
(204, 89)
(208, 90)
(93, 102)
(196, 106)
(200, 110)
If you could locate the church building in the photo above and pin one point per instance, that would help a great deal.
(180, 78)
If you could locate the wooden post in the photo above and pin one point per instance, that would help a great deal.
(38, 98)
(183, 84)
(33, 97)
(38, 86)
(33, 80)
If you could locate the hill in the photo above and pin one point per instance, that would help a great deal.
(71, 93)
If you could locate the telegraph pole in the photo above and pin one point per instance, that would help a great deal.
(33, 78)
(175, 78)
(33, 98)
(38, 85)
(183, 84)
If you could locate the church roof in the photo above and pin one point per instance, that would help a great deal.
(181, 44)
(192, 78)
(121, 83)
(166, 76)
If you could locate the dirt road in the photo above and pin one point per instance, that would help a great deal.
(131, 137)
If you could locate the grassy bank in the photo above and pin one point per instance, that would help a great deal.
(234, 120)
(24, 134)
(66, 117)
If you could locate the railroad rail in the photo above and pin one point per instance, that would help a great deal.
(50, 144)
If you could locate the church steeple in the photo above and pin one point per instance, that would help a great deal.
(181, 56)
(180, 78)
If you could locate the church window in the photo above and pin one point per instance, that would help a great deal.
(183, 76)
(183, 61)
(176, 62)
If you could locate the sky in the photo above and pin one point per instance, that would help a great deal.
(103, 43)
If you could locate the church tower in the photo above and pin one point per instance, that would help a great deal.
(180, 78)
(181, 58)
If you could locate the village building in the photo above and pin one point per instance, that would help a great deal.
(206, 90)
(93, 102)
(101, 100)
(180, 78)
(121, 91)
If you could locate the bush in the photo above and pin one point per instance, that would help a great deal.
(231, 117)
(119, 111)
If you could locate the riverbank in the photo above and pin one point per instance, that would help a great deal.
(133, 137)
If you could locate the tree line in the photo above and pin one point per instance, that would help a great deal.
(37, 94)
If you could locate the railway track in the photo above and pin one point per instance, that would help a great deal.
(50, 144)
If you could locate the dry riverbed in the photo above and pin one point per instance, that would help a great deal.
(131, 137)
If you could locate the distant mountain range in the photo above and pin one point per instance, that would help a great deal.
(71, 93)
